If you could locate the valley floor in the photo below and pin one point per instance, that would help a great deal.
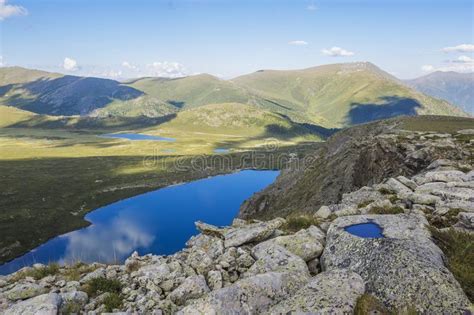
(50, 178)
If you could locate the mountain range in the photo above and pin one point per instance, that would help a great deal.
(456, 88)
(331, 96)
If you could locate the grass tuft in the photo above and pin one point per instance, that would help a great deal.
(97, 286)
(458, 247)
(368, 304)
(386, 210)
(112, 301)
(294, 223)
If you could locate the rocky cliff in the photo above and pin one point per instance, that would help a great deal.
(360, 156)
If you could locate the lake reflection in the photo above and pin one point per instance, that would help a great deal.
(157, 222)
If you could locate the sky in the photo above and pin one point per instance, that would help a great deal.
(227, 38)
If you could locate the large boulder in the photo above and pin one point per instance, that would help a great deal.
(402, 268)
(330, 292)
(212, 246)
(46, 304)
(192, 288)
(273, 257)
(304, 243)
(255, 232)
(252, 295)
(23, 291)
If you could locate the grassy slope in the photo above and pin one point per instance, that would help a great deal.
(340, 94)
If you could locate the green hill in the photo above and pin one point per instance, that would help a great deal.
(331, 96)
(239, 120)
(343, 94)
(55, 94)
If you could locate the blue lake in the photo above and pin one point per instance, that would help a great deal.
(158, 222)
(137, 136)
(365, 230)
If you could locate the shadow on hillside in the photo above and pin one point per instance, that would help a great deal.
(93, 123)
(67, 95)
(389, 106)
(284, 133)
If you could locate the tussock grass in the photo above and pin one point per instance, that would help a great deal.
(459, 249)
(296, 222)
(368, 304)
(37, 273)
(443, 221)
(112, 301)
(386, 210)
(97, 286)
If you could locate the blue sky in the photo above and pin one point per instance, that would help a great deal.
(125, 38)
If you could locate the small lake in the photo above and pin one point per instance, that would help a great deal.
(137, 136)
(221, 150)
(365, 230)
(158, 222)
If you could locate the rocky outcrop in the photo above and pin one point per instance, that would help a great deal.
(360, 156)
(404, 268)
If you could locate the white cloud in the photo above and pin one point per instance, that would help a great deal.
(337, 52)
(128, 65)
(298, 43)
(464, 59)
(427, 68)
(166, 69)
(463, 48)
(8, 10)
(2, 64)
(456, 66)
(312, 7)
(70, 64)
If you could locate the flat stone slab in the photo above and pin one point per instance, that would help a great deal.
(403, 268)
(330, 292)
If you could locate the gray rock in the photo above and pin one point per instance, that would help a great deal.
(466, 132)
(212, 246)
(422, 199)
(302, 244)
(192, 288)
(443, 176)
(323, 212)
(200, 261)
(397, 187)
(157, 272)
(466, 219)
(210, 229)
(255, 232)
(46, 304)
(363, 195)
(273, 257)
(330, 292)
(77, 298)
(98, 273)
(214, 279)
(247, 296)
(403, 268)
(23, 291)
(407, 182)
(313, 266)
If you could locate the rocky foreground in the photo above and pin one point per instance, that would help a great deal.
(256, 267)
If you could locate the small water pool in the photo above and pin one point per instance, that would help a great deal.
(365, 230)
(137, 136)
(221, 150)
